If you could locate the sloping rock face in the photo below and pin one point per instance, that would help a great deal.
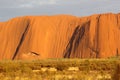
(61, 36)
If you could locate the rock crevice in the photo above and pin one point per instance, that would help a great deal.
(21, 40)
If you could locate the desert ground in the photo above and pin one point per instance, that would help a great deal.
(61, 69)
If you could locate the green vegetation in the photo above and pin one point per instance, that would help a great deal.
(61, 69)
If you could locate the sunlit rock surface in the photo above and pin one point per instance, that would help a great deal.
(60, 36)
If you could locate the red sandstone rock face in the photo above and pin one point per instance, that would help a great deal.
(62, 36)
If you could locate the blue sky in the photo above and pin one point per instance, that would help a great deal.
(14, 8)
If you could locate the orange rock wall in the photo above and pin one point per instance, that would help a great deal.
(61, 36)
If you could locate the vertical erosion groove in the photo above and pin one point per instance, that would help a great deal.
(97, 36)
(21, 41)
(74, 41)
(95, 48)
(117, 16)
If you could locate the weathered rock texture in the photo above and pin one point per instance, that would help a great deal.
(61, 36)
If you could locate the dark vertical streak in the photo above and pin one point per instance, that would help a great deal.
(117, 16)
(70, 44)
(21, 41)
(117, 53)
(74, 41)
(97, 37)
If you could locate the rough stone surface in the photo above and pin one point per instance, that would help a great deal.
(61, 36)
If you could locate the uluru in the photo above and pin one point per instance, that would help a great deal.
(60, 36)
